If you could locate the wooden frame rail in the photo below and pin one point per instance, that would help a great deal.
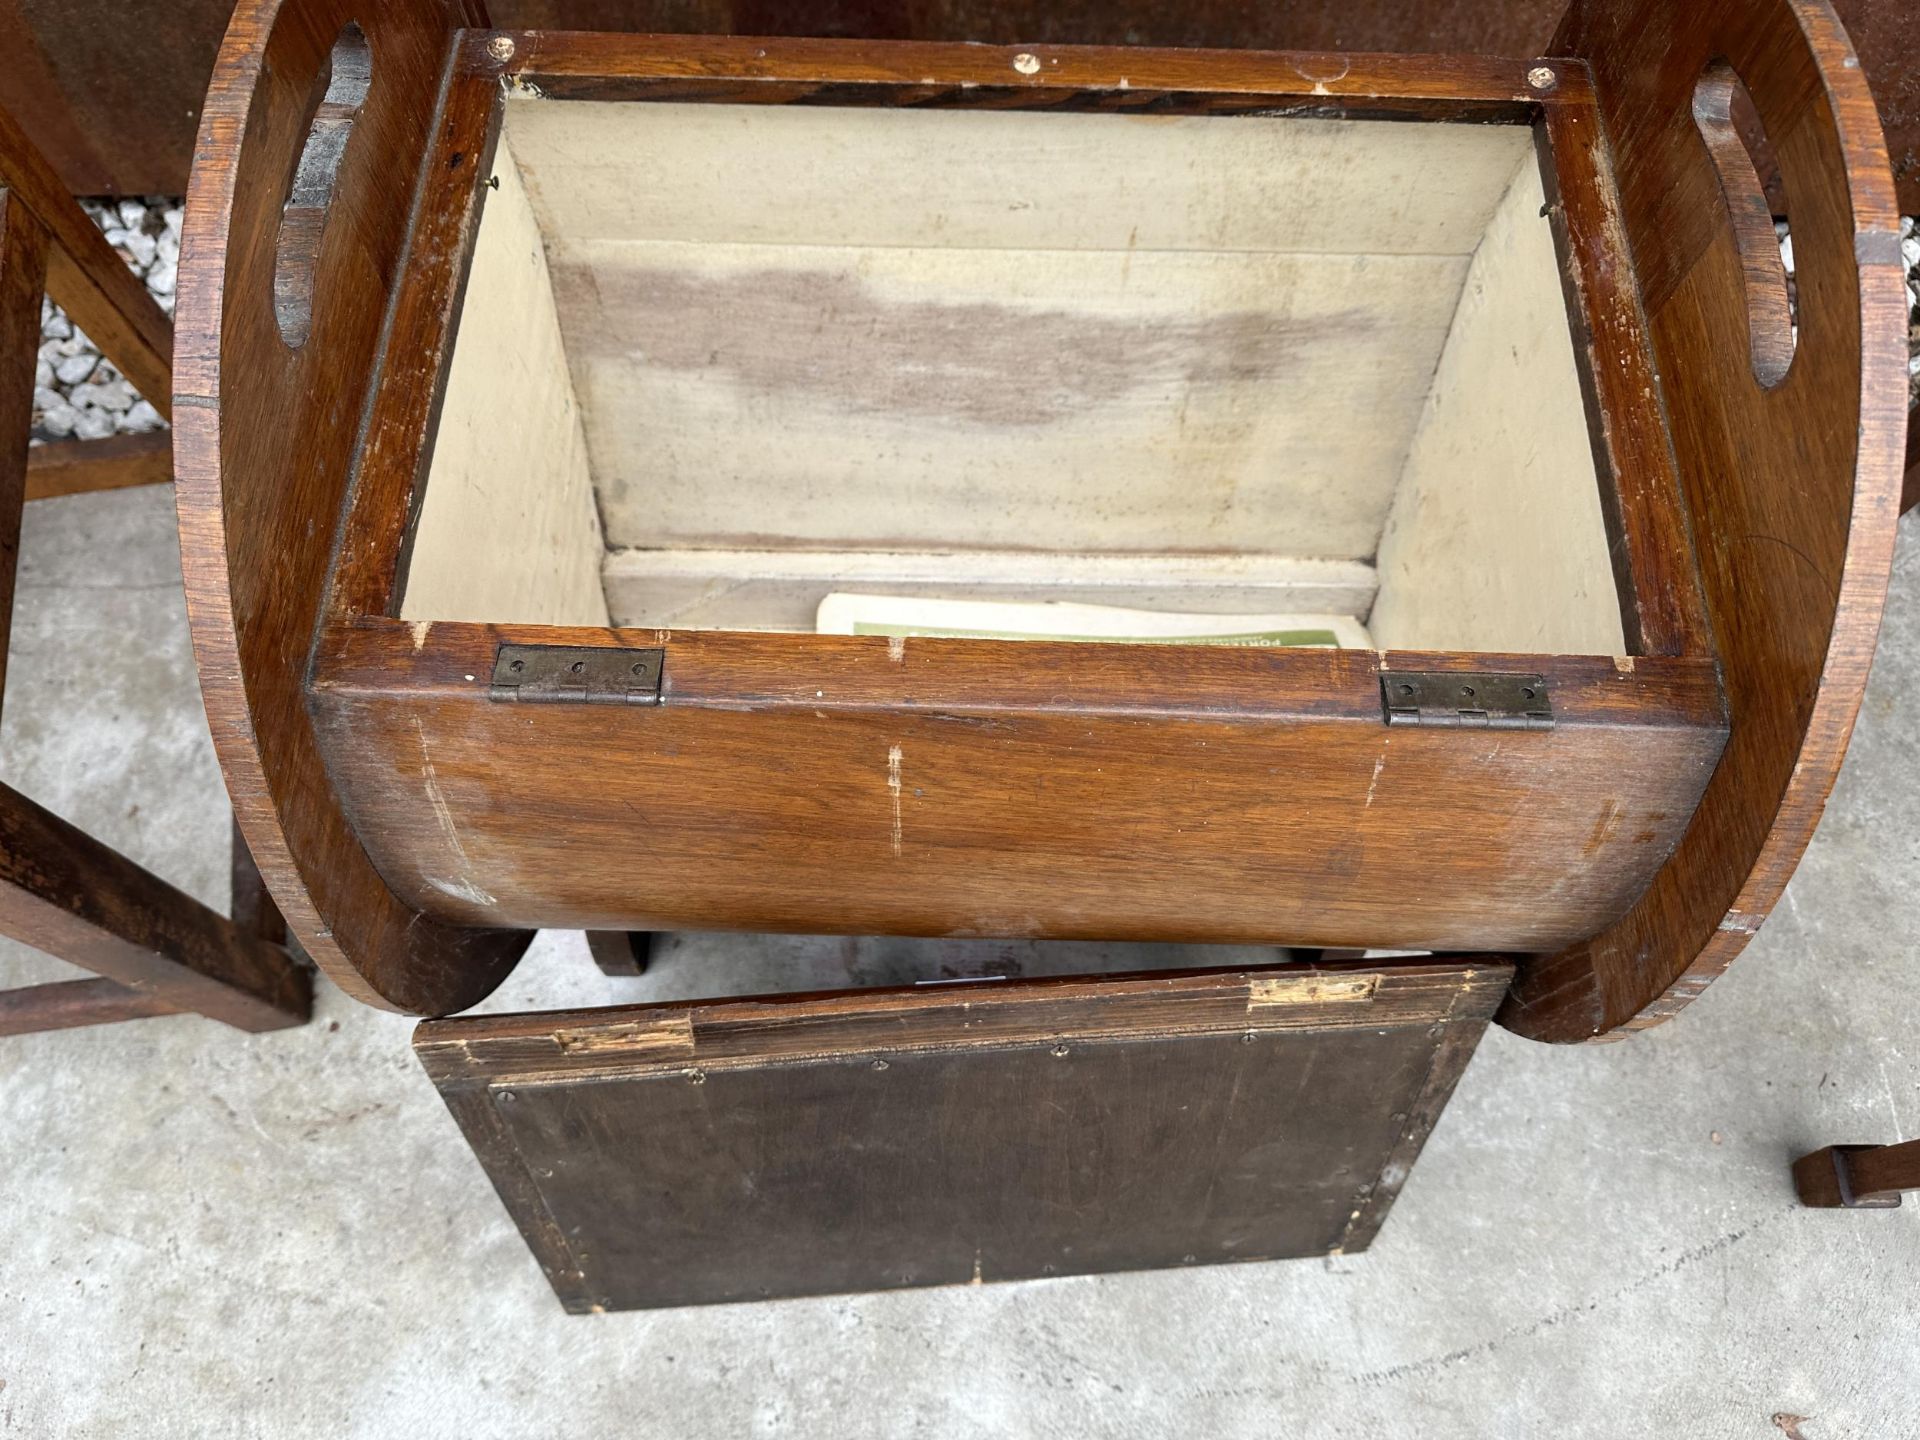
(1857, 1177)
(155, 949)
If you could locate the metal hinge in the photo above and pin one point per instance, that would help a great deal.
(1466, 700)
(576, 675)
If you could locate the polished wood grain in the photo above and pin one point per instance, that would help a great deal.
(83, 467)
(799, 71)
(405, 407)
(736, 1150)
(251, 905)
(841, 784)
(1662, 610)
(264, 445)
(1793, 489)
(1770, 337)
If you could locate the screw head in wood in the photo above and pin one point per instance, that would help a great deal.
(1027, 63)
(1542, 77)
(501, 48)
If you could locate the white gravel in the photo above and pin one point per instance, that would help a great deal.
(1910, 252)
(77, 393)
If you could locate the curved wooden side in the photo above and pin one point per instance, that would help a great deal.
(1793, 487)
(264, 439)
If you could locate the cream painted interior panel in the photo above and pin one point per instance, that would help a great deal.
(508, 530)
(738, 396)
(782, 589)
(1497, 540)
(825, 175)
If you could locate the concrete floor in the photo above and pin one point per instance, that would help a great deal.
(207, 1234)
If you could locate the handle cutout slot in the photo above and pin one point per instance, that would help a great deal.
(1719, 99)
(303, 218)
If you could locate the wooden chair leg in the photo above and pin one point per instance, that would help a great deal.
(23, 270)
(1910, 491)
(64, 892)
(252, 907)
(84, 467)
(620, 952)
(156, 949)
(70, 1004)
(1857, 1177)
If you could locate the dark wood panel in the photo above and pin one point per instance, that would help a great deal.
(1492, 27)
(1793, 488)
(820, 784)
(110, 90)
(737, 1150)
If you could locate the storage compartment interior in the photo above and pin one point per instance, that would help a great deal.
(718, 362)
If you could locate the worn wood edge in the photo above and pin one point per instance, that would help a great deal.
(477, 961)
(1663, 609)
(474, 1110)
(802, 1028)
(370, 565)
(548, 59)
(1460, 1030)
(75, 1004)
(1611, 1007)
(389, 659)
(85, 467)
